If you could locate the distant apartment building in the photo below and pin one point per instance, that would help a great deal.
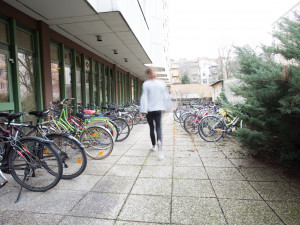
(199, 71)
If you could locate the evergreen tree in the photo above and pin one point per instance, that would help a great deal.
(185, 79)
(271, 91)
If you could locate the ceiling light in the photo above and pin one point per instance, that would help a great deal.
(99, 37)
(115, 51)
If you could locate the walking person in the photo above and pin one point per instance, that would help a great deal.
(154, 100)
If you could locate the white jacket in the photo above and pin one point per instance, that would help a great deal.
(155, 97)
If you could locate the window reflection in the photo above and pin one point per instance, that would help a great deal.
(4, 91)
(68, 81)
(55, 81)
(27, 85)
(78, 85)
(87, 85)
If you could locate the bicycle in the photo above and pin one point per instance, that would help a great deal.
(32, 161)
(212, 128)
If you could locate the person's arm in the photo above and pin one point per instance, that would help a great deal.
(144, 100)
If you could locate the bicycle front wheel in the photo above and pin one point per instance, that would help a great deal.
(191, 123)
(35, 165)
(211, 128)
(122, 128)
(72, 154)
(97, 141)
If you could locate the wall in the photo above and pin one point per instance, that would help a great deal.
(228, 83)
(216, 90)
(185, 90)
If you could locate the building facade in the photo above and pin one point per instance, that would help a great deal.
(93, 51)
(199, 71)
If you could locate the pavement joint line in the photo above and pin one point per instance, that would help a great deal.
(132, 187)
(172, 184)
(223, 213)
(99, 180)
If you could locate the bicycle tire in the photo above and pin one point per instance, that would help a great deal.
(122, 126)
(72, 153)
(41, 161)
(129, 120)
(211, 128)
(190, 124)
(97, 141)
(108, 125)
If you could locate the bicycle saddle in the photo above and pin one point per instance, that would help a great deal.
(11, 116)
(83, 116)
(39, 114)
(104, 107)
(89, 111)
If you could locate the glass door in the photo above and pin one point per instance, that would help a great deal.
(6, 96)
(27, 73)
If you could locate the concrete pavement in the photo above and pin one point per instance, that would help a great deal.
(196, 183)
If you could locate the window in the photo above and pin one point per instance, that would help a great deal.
(4, 91)
(78, 77)
(204, 81)
(24, 40)
(54, 54)
(68, 73)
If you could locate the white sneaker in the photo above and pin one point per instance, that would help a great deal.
(160, 153)
(153, 149)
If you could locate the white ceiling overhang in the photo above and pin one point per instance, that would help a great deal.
(78, 21)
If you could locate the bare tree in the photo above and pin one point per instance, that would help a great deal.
(227, 61)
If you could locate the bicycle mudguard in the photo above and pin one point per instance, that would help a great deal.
(66, 135)
(44, 141)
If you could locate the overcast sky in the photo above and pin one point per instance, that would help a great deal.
(199, 27)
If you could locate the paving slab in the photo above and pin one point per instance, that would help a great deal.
(154, 161)
(193, 188)
(113, 184)
(85, 221)
(82, 183)
(224, 173)
(132, 160)
(277, 191)
(156, 171)
(195, 161)
(217, 162)
(234, 189)
(190, 172)
(190, 210)
(152, 186)
(28, 218)
(261, 174)
(124, 170)
(248, 212)
(99, 205)
(289, 212)
(147, 209)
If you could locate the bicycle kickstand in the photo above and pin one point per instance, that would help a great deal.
(19, 195)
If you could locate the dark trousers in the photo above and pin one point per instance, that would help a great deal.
(156, 116)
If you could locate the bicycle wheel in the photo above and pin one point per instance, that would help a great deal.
(129, 120)
(122, 128)
(211, 128)
(191, 123)
(97, 141)
(72, 154)
(109, 126)
(35, 164)
(136, 118)
(182, 118)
